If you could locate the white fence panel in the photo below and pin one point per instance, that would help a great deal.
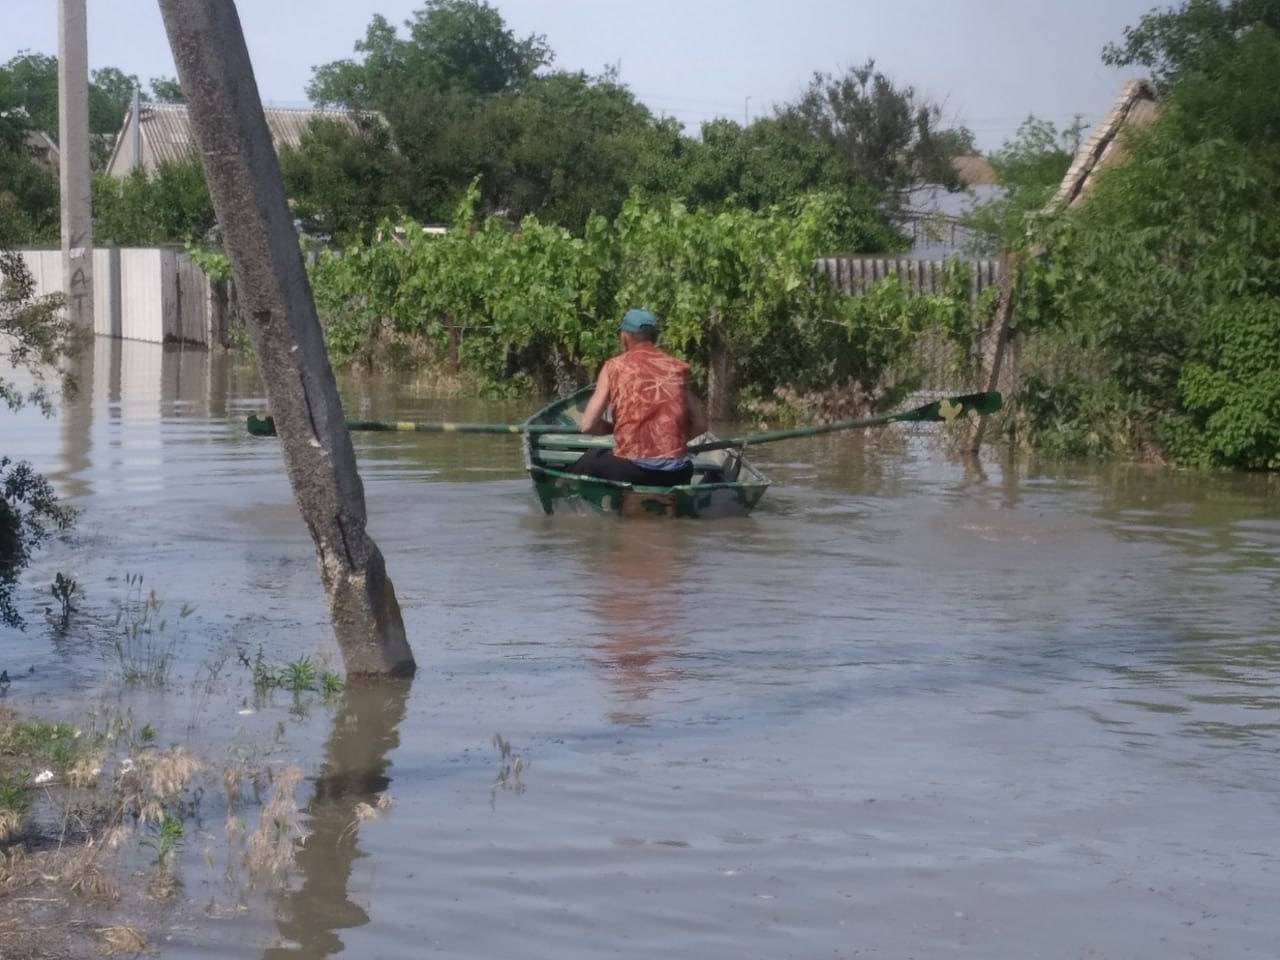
(150, 294)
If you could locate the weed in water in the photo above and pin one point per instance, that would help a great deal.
(207, 678)
(511, 767)
(166, 839)
(300, 675)
(15, 801)
(330, 684)
(140, 640)
(297, 676)
(64, 590)
(147, 734)
(265, 676)
(41, 743)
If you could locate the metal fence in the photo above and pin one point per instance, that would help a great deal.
(154, 294)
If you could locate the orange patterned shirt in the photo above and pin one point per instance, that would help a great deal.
(647, 392)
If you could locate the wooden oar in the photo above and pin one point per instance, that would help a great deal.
(265, 426)
(947, 409)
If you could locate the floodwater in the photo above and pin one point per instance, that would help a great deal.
(905, 710)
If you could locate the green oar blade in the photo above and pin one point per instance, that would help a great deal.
(951, 408)
(263, 426)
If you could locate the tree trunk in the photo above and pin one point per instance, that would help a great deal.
(248, 196)
(722, 375)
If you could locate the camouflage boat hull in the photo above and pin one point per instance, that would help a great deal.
(723, 484)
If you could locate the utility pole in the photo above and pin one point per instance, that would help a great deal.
(73, 166)
(243, 173)
(136, 140)
(746, 112)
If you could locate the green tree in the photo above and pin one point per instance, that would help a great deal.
(767, 164)
(110, 94)
(887, 135)
(1169, 272)
(170, 204)
(343, 179)
(461, 45)
(569, 146)
(1197, 36)
(1029, 167)
(28, 191)
(167, 90)
(36, 337)
(29, 81)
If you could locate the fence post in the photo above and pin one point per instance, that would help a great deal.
(996, 370)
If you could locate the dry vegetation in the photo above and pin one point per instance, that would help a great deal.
(92, 825)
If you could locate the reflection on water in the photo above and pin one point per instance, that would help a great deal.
(636, 598)
(354, 773)
(1029, 709)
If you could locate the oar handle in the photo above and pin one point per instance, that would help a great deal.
(265, 426)
(947, 409)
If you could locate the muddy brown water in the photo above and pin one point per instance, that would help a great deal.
(905, 710)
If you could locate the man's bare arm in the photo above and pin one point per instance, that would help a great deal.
(696, 422)
(592, 419)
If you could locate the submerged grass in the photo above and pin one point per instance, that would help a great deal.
(301, 675)
(143, 646)
(73, 837)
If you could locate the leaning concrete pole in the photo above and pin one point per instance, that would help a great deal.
(243, 171)
(73, 166)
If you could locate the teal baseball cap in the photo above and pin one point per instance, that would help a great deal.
(634, 319)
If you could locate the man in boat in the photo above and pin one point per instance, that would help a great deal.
(655, 413)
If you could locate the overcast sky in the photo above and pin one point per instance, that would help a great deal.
(989, 62)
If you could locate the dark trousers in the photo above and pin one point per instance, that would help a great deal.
(603, 464)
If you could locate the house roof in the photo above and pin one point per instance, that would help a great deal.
(974, 170)
(167, 135)
(41, 146)
(1135, 107)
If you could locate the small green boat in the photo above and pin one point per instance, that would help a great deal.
(723, 484)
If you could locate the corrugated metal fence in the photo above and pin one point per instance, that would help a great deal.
(154, 294)
(854, 275)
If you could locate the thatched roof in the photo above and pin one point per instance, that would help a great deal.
(167, 136)
(1135, 107)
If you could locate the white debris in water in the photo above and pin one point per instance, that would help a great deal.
(126, 764)
(247, 711)
(44, 776)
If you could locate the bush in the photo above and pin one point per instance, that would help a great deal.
(538, 306)
(1170, 271)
